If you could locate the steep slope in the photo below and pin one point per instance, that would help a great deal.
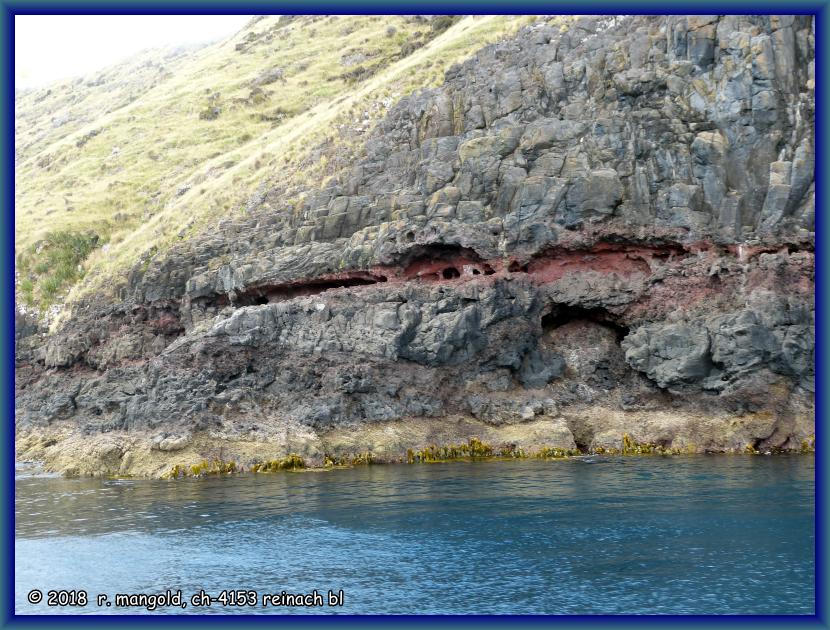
(598, 236)
(128, 161)
(47, 115)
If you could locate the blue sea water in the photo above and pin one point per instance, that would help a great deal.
(596, 535)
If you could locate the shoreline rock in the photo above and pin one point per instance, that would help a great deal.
(614, 219)
(70, 453)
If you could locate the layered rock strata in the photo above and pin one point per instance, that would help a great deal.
(581, 234)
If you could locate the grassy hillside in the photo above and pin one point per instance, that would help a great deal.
(151, 151)
(44, 116)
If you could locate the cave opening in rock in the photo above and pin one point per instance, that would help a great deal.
(561, 314)
(442, 261)
(433, 252)
(277, 293)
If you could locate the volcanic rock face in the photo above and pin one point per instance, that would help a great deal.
(609, 228)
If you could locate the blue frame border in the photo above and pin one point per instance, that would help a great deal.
(8, 9)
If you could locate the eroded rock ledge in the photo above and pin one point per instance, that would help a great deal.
(583, 234)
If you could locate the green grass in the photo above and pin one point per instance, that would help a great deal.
(141, 164)
(47, 267)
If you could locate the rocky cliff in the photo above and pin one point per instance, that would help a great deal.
(583, 233)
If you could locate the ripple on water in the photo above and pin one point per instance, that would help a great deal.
(629, 535)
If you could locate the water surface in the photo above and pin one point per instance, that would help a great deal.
(703, 535)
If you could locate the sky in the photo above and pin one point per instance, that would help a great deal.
(50, 47)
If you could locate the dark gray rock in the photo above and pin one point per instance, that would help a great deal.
(540, 367)
(618, 213)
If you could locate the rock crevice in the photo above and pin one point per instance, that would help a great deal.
(608, 228)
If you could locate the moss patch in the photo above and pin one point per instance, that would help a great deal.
(202, 469)
(290, 462)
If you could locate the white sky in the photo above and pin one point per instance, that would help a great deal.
(50, 47)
